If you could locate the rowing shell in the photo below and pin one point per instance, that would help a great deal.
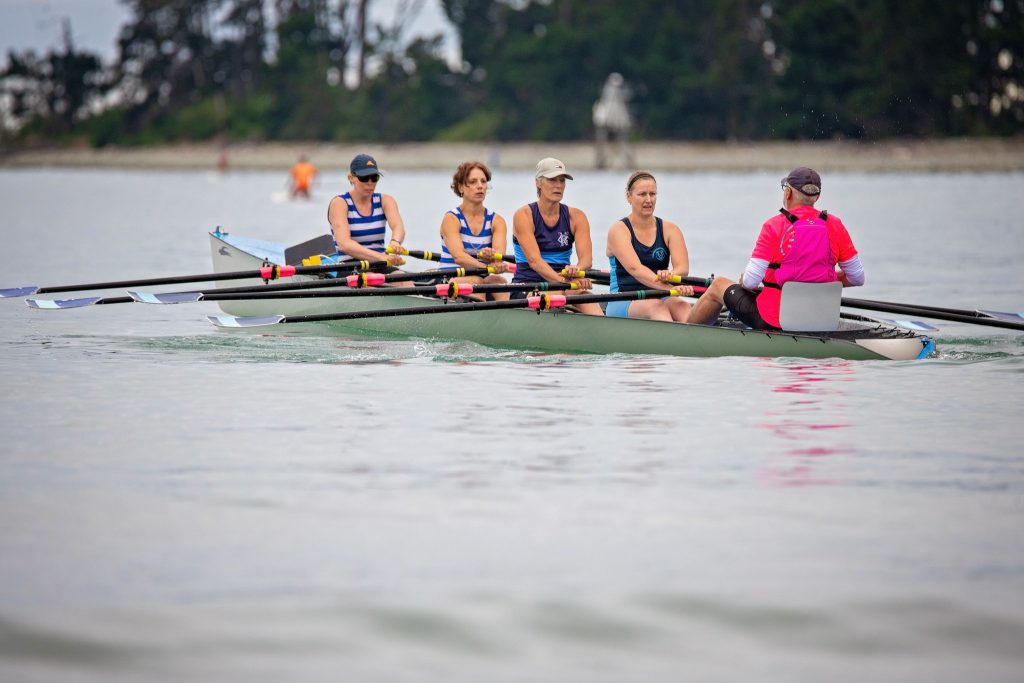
(560, 331)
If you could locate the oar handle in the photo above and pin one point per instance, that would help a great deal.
(415, 253)
(367, 279)
(433, 256)
(507, 258)
(604, 277)
(596, 275)
(704, 282)
(273, 272)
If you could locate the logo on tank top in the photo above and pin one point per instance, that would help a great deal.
(563, 239)
(659, 254)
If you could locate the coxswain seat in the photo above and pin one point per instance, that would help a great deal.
(810, 306)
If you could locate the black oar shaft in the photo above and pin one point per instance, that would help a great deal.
(934, 312)
(395, 312)
(929, 313)
(925, 307)
(336, 282)
(435, 256)
(456, 308)
(604, 278)
(338, 292)
(354, 266)
(114, 300)
(207, 277)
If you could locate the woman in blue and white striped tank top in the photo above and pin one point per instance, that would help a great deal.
(645, 252)
(360, 217)
(471, 234)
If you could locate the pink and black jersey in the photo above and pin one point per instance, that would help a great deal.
(802, 245)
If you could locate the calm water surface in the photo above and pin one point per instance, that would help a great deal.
(178, 502)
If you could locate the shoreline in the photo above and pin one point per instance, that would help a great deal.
(892, 156)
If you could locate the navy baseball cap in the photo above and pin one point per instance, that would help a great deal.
(363, 165)
(804, 180)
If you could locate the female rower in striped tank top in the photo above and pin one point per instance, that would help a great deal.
(645, 251)
(360, 217)
(470, 234)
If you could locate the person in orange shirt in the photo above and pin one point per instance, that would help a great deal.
(303, 174)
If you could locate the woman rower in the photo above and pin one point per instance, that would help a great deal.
(641, 248)
(360, 217)
(544, 233)
(471, 234)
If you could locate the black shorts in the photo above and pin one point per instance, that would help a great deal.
(742, 303)
(522, 293)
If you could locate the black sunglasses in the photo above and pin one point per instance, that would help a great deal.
(368, 178)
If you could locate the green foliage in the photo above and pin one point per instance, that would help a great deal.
(532, 70)
(480, 125)
(50, 95)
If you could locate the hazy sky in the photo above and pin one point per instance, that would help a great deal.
(36, 24)
(95, 23)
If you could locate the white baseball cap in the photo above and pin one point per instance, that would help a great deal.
(551, 168)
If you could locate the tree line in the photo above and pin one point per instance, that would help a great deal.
(530, 70)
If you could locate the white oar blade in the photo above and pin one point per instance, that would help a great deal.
(918, 325)
(15, 292)
(52, 304)
(252, 321)
(1002, 315)
(166, 297)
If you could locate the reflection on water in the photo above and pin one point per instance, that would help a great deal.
(805, 400)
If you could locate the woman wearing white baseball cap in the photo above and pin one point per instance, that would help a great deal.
(545, 232)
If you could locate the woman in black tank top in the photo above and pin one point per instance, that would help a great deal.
(645, 252)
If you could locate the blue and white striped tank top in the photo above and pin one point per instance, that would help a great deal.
(470, 242)
(366, 230)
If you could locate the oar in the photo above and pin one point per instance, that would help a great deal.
(954, 315)
(448, 290)
(977, 313)
(178, 297)
(915, 325)
(354, 280)
(54, 304)
(603, 277)
(434, 256)
(989, 318)
(267, 273)
(540, 302)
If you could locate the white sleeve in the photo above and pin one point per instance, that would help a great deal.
(854, 271)
(754, 273)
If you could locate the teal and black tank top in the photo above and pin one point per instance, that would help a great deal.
(655, 257)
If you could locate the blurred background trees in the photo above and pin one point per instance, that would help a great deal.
(529, 70)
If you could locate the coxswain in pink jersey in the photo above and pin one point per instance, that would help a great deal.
(799, 244)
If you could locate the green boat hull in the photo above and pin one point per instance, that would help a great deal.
(563, 332)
